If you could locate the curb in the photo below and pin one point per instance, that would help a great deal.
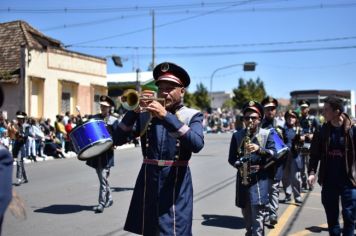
(68, 155)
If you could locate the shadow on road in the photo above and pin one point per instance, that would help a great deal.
(316, 229)
(64, 209)
(119, 189)
(231, 222)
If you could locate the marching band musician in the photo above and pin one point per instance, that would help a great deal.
(104, 161)
(270, 105)
(309, 125)
(19, 147)
(291, 178)
(5, 174)
(162, 201)
(256, 149)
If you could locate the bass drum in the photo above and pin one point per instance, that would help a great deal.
(90, 139)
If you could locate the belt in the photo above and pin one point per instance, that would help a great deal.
(165, 162)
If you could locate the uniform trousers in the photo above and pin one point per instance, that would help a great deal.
(104, 188)
(19, 152)
(291, 178)
(305, 163)
(254, 218)
(330, 195)
(273, 197)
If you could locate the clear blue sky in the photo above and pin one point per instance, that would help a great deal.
(295, 43)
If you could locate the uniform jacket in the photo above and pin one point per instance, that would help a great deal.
(276, 171)
(105, 159)
(162, 200)
(5, 179)
(309, 124)
(291, 136)
(320, 145)
(259, 188)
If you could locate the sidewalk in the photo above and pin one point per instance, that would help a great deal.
(68, 155)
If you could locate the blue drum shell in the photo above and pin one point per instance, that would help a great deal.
(90, 139)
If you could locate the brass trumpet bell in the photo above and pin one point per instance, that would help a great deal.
(130, 99)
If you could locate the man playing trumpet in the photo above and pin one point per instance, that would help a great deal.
(162, 201)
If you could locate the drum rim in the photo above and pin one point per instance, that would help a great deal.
(92, 144)
(91, 120)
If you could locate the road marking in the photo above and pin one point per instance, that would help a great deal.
(283, 220)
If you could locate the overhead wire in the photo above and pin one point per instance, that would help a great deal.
(136, 8)
(200, 54)
(279, 43)
(190, 11)
(163, 24)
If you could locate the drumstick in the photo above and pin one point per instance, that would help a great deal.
(77, 107)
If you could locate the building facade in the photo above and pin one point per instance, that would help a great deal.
(316, 99)
(42, 78)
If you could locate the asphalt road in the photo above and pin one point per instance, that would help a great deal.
(61, 193)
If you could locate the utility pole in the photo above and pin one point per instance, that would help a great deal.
(153, 63)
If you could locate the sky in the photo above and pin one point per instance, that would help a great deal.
(297, 44)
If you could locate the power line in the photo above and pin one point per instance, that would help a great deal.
(164, 24)
(314, 67)
(270, 9)
(89, 23)
(225, 45)
(190, 11)
(136, 8)
(200, 54)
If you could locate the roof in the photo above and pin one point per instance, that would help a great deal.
(122, 78)
(340, 93)
(15, 34)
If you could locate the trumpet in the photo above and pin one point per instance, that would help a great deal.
(131, 100)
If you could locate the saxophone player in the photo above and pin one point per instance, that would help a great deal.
(250, 149)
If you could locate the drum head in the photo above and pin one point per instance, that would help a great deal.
(95, 149)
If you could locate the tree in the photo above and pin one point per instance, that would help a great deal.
(189, 99)
(246, 91)
(201, 97)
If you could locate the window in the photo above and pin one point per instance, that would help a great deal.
(65, 102)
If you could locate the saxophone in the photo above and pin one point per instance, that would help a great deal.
(245, 160)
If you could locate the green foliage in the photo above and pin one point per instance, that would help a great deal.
(201, 96)
(199, 99)
(248, 90)
(189, 100)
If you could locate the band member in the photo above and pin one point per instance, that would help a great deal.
(19, 148)
(104, 161)
(250, 150)
(333, 148)
(293, 166)
(5, 174)
(162, 201)
(270, 105)
(309, 125)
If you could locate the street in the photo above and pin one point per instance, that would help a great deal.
(61, 193)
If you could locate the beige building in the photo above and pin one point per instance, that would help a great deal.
(42, 78)
(316, 99)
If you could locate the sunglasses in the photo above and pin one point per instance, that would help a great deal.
(250, 117)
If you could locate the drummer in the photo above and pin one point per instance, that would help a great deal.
(103, 162)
